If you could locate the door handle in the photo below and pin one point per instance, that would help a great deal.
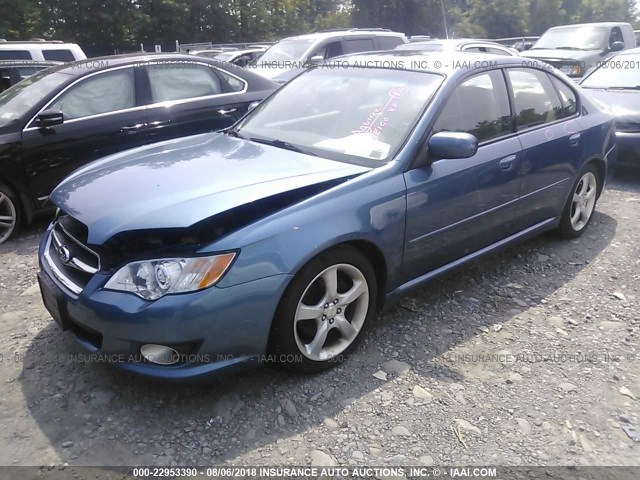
(227, 112)
(132, 128)
(507, 162)
(574, 139)
(159, 123)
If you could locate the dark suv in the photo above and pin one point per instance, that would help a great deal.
(59, 119)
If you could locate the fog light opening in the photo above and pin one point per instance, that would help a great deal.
(159, 354)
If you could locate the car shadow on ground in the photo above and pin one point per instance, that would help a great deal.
(113, 418)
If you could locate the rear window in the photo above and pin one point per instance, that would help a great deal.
(58, 55)
(15, 55)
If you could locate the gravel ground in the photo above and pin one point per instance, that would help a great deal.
(529, 357)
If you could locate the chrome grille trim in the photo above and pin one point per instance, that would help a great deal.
(56, 271)
(73, 261)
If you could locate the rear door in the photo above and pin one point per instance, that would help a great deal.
(102, 115)
(458, 206)
(551, 138)
(187, 98)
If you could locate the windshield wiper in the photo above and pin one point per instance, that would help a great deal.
(281, 144)
(569, 48)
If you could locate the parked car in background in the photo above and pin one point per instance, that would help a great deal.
(61, 118)
(212, 53)
(240, 57)
(303, 51)
(14, 71)
(41, 50)
(343, 190)
(616, 83)
(459, 45)
(574, 49)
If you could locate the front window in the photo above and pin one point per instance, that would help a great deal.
(573, 38)
(20, 98)
(479, 106)
(619, 73)
(347, 114)
(285, 51)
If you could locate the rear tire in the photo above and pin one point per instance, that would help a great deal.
(581, 203)
(324, 311)
(10, 213)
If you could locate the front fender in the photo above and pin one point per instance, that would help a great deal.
(282, 243)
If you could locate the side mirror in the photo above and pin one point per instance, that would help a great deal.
(315, 60)
(617, 46)
(252, 105)
(50, 118)
(453, 145)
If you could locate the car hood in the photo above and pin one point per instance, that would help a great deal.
(623, 104)
(178, 183)
(554, 55)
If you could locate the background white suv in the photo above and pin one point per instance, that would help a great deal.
(41, 50)
(294, 53)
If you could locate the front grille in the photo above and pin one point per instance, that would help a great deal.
(70, 260)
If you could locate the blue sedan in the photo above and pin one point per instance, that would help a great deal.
(280, 239)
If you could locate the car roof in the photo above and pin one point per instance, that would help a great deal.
(448, 63)
(593, 24)
(345, 33)
(80, 67)
(452, 42)
(631, 51)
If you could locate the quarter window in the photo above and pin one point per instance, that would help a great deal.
(181, 81)
(569, 100)
(101, 93)
(535, 98)
(479, 106)
(234, 83)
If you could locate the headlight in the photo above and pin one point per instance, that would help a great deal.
(152, 279)
(572, 70)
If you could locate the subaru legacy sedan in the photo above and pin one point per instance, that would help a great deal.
(66, 116)
(279, 239)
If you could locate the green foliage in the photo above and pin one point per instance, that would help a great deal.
(130, 22)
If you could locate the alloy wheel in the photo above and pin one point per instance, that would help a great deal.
(584, 201)
(8, 217)
(331, 312)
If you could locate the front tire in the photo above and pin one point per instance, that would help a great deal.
(324, 311)
(581, 204)
(9, 213)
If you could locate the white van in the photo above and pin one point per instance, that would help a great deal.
(41, 50)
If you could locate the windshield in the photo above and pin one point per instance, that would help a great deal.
(573, 38)
(620, 72)
(18, 99)
(348, 114)
(285, 51)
